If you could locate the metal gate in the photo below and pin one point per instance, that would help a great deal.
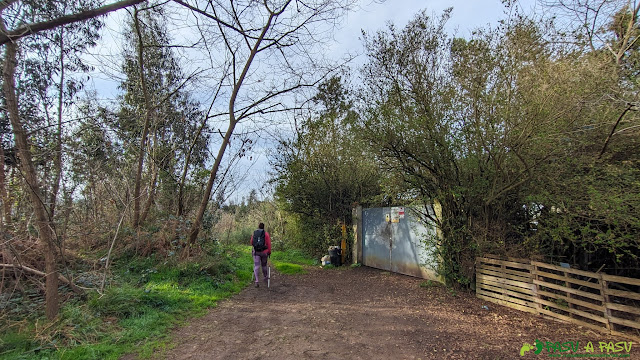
(395, 239)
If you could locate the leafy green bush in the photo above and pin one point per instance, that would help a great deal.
(312, 236)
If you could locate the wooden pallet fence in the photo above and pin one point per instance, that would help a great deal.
(569, 294)
(506, 282)
(622, 303)
(593, 300)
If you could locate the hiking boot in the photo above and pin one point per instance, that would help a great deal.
(257, 284)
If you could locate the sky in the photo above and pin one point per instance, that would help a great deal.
(370, 16)
(466, 16)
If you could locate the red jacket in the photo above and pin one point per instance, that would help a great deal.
(267, 240)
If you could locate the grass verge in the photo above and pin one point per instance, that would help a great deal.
(135, 313)
(145, 299)
(289, 262)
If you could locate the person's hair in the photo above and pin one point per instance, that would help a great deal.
(261, 226)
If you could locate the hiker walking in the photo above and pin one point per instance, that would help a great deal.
(261, 242)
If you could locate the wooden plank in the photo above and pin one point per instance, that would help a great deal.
(625, 308)
(507, 304)
(621, 279)
(519, 260)
(506, 263)
(567, 283)
(498, 280)
(621, 293)
(569, 270)
(598, 297)
(506, 287)
(607, 299)
(502, 291)
(508, 258)
(505, 298)
(625, 322)
(573, 300)
(517, 272)
(572, 320)
(524, 277)
(536, 291)
(584, 314)
(568, 279)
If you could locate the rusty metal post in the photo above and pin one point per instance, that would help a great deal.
(356, 214)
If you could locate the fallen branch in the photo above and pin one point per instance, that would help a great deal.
(106, 265)
(40, 273)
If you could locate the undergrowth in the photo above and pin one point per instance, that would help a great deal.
(144, 300)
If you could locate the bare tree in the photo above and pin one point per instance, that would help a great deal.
(270, 45)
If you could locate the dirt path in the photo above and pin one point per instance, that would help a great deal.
(363, 313)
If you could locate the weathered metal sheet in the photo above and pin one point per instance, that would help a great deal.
(396, 240)
(376, 251)
(410, 253)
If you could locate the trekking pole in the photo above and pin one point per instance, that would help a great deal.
(269, 273)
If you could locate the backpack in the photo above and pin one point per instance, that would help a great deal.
(259, 242)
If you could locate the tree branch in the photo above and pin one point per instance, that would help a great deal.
(606, 142)
(31, 29)
(215, 18)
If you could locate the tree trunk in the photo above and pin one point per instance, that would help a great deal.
(152, 193)
(195, 228)
(6, 201)
(187, 161)
(68, 205)
(57, 160)
(145, 129)
(31, 179)
(3, 246)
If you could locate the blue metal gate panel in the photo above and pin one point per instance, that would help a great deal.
(398, 244)
(376, 250)
(410, 254)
